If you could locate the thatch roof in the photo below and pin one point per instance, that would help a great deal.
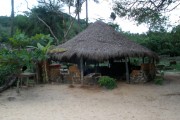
(101, 42)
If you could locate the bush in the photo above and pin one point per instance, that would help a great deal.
(158, 81)
(177, 67)
(5, 71)
(107, 82)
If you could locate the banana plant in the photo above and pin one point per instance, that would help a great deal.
(40, 55)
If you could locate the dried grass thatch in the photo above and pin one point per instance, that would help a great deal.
(101, 42)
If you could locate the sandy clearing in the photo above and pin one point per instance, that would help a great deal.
(127, 102)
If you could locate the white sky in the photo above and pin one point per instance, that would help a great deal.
(96, 11)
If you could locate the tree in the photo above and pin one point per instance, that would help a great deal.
(12, 17)
(51, 17)
(5, 25)
(145, 11)
(113, 16)
(70, 3)
(41, 54)
(19, 40)
(52, 6)
(10, 64)
(87, 10)
(175, 41)
(161, 42)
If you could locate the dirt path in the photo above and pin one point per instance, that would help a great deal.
(127, 102)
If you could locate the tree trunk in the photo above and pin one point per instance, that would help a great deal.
(12, 17)
(40, 72)
(46, 71)
(86, 13)
(78, 10)
(69, 12)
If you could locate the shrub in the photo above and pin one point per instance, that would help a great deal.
(5, 71)
(158, 81)
(177, 67)
(107, 82)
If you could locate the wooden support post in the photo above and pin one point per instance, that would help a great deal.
(153, 61)
(17, 90)
(143, 60)
(127, 71)
(82, 70)
(149, 60)
(96, 67)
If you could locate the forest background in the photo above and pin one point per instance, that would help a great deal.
(46, 25)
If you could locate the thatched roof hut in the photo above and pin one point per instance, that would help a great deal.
(101, 42)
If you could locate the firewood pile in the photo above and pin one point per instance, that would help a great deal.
(144, 75)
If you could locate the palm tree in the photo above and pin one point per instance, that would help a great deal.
(70, 3)
(86, 12)
(96, 1)
(12, 17)
(78, 8)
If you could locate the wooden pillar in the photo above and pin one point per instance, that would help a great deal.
(96, 67)
(149, 60)
(153, 61)
(82, 70)
(127, 71)
(143, 60)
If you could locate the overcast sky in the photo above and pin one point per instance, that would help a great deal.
(96, 11)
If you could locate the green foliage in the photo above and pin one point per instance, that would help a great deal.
(11, 61)
(15, 57)
(40, 51)
(148, 12)
(159, 79)
(113, 16)
(5, 21)
(115, 26)
(19, 40)
(177, 67)
(30, 25)
(3, 35)
(21, 22)
(107, 82)
(41, 39)
(4, 31)
(6, 70)
(161, 42)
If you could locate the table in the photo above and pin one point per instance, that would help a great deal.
(26, 75)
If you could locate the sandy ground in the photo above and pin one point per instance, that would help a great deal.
(127, 102)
